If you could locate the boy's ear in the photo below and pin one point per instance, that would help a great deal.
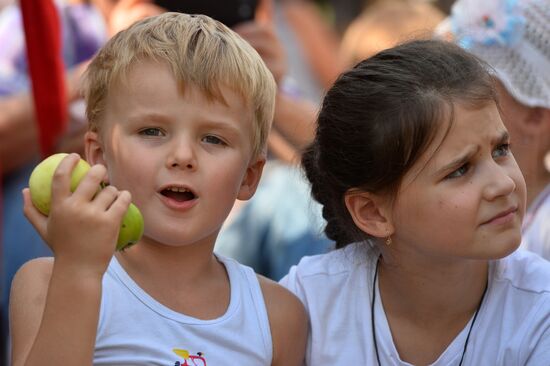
(93, 149)
(251, 179)
(370, 212)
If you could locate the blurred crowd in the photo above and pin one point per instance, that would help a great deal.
(305, 44)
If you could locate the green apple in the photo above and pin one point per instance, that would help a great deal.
(131, 229)
(40, 186)
(40, 182)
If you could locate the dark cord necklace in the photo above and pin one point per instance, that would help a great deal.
(374, 328)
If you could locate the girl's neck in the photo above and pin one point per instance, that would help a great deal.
(428, 304)
(428, 291)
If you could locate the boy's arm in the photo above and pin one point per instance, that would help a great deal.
(55, 307)
(288, 322)
(53, 314)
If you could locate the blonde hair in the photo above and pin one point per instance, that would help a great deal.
(200, 51)
(386, 23)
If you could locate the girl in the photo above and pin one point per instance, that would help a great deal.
(412, 165)
(519, 51)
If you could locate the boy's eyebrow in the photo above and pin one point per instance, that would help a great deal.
(220, 124)
(469, 151)
(152, 116)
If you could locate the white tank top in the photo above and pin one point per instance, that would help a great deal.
(135, 329)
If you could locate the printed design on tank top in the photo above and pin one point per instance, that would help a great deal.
(188, 359)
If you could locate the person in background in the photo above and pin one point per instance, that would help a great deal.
(179, 110)
(383, 24)
(411, 162)
(83, 32)
(514, 39)
(281, 224)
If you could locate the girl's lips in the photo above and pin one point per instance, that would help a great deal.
(178, 205)
(503, 218)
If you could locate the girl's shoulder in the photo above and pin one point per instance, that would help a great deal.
(337, 261)
(334, 268)
(523, 271)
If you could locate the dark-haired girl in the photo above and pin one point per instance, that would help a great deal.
(420, 190)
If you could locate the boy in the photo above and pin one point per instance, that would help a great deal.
(179, 109)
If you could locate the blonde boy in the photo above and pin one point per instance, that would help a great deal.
(179, 109)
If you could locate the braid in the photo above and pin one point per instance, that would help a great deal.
(323, 191)
(378, 118)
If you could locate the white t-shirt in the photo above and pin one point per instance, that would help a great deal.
(512, 327)
(135, 329)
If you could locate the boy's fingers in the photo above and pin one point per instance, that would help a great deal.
(120, 205)
(106, 197)
(61, 181)
(90, 184)
(35, 217)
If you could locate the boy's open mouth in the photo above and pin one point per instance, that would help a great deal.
(178, 194)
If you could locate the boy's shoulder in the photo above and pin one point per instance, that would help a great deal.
(287, 321)
(278, 298)
(29, 290)
(35, 273)
(30, 283)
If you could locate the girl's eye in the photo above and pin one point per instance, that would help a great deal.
(151, 132)
(459, 172)
(213, 140)
(501, 150)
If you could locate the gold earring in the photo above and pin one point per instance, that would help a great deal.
(388, 240)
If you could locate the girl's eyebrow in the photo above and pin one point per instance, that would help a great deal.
(502, 138)
(471, 150)
(462, 159)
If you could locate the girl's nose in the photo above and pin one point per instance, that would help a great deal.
(500, 181)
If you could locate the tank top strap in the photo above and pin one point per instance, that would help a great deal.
(252, 296)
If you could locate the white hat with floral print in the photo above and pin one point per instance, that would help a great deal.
(513, 36)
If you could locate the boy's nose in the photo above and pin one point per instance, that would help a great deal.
(182, 156)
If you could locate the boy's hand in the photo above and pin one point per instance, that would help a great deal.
(82, 227)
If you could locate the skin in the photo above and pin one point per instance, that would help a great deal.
(529, 129)
(433, 274)
(152, 137)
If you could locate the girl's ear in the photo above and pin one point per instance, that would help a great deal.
(251, 179)
(370, 212)
(93, 149)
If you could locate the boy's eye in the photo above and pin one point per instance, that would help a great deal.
(459, 172)
(151, 131)
(501, 150)
(213, 140)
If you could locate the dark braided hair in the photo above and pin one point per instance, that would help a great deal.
(380, 116)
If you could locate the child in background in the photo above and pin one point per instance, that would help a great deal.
(384, 24)
(515, 41)
(412, 165)
(179, 109)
